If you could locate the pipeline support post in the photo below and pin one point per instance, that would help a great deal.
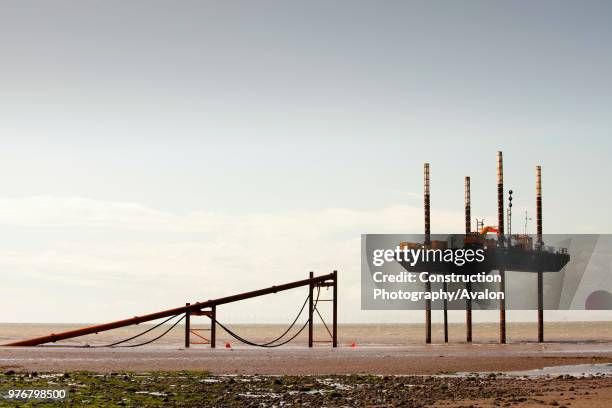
(213, 326)
(310, 310)
(187, 326)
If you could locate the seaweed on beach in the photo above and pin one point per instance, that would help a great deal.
(200, 389)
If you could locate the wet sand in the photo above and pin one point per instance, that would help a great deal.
(380, 349)
(361, 334)
(299, 360)
(390, 366)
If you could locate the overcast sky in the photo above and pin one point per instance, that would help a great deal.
(158, 152)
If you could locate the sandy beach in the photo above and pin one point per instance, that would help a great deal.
(379, 349)
(389, 366)
(199, 389)
(416, 359)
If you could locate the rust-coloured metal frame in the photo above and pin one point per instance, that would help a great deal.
(330, 279)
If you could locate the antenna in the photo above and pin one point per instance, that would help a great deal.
(479, 224)
(527, 219)
(468, 207)
(509, 217)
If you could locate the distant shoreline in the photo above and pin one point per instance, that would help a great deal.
(385, 334)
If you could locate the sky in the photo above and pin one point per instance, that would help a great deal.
(156, 152)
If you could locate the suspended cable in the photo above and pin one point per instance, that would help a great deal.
(158, 337)
(324, 324)
(138, 335)
(268, 344)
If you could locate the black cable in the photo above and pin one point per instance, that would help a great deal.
(158, 337)
(138, 335)
(250, 343)
(118, 342)
(291, 325)
(268, 344)
(324, 324)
